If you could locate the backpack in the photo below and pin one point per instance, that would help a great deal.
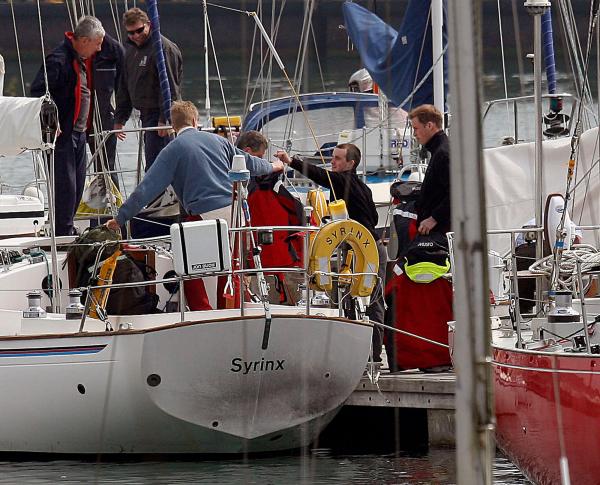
(405, 195)
(136, 300)
(121, 301)
(85, 248)
(426, 258)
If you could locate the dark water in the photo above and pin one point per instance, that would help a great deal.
(320, 467)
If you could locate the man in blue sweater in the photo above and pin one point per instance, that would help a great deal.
(197, 165)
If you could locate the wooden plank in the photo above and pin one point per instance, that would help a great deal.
(406, 390)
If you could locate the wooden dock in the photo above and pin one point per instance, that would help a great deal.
(408, 410)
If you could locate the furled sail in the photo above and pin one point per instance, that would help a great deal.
(398, 60)
(20, 126)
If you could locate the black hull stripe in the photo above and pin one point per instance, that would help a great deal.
(16, 215)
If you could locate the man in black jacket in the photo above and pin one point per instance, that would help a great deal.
(433, 206)
(139, 87)
(348, 186)
(107, 68)
(69, 74)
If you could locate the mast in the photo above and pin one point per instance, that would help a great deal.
(537, 9)
(437, 20)
(474, 403)
(207, 83)
(160, 60)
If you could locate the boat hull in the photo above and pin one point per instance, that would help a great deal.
(195, 387)
(532, 399)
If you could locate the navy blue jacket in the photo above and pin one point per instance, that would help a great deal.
(63, 83)
(63, 79)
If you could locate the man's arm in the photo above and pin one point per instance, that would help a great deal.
(157, 179)
(123, 98)
(317, 174)
(53, 70)
(257, 166)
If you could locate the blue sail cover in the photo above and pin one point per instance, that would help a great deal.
(397, 60)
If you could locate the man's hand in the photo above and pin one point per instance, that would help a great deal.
(278, 166)
(283, 156)
(165, 132)
(120, 136)
(427, 225)
(113, 225)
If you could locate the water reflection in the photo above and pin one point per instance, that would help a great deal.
(318, 467)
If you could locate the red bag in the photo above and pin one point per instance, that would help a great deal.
(424, 310)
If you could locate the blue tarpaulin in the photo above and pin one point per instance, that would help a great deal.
(398, 60)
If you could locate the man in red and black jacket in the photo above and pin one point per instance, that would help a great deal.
(69, 74)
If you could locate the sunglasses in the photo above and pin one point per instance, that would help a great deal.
(131, 33)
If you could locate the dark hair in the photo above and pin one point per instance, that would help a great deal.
(253, 140)
(135, 15)
(352, 153)
(427, 113)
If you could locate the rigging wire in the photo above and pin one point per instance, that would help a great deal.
(557, 252)
(312, 31)
(212, 43)
(12, 10)
(43, 51)
(503, 61)
(517, 31)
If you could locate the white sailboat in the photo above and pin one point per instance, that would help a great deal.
(254, 379)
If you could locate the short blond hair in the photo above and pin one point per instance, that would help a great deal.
(183, 114)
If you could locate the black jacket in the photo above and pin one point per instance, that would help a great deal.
(62, 70)
(63, 83)
(434, 199)
(107, 69)
(140, 85)
(347, 186)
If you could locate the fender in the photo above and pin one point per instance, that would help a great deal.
(316, 199)
(366, 256)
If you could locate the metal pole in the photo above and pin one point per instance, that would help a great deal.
(583, 308)
(537, 9)
(515, 284)
(55, 279)
(437, 20)
(537, 93)
(207, 83)
(2, 71)
(474, 402)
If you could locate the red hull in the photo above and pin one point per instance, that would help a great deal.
(527, 413)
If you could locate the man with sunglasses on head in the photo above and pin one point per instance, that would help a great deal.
(140, 85)
(433, 206)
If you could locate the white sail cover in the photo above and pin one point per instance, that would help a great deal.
(20, 127)
(510, 184)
